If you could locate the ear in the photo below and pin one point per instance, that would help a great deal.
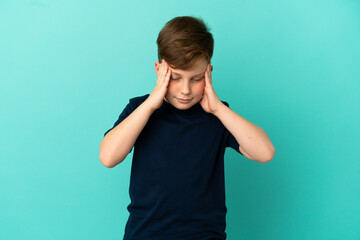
(157, 66)
(211, 68)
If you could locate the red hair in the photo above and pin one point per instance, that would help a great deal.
(184, 41)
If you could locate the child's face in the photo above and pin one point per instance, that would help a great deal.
(188, 85)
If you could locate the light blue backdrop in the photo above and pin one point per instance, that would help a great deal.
(68, 68)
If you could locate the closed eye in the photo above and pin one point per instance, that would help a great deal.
(196, 80)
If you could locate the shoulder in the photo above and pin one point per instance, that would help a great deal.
(136, 101)
(226, 103)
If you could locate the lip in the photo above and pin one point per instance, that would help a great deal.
(183, 100)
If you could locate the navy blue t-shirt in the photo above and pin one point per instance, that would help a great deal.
(177, 186)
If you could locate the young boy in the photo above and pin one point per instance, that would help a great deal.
(179, 133)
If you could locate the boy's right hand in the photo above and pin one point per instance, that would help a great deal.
(156, 97)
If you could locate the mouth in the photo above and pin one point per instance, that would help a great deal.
(182, 100)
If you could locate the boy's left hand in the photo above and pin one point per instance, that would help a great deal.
(210, 101)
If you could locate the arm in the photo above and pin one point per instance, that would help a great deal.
(254, 142)
(117, 143)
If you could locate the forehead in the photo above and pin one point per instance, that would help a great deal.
(197, 70)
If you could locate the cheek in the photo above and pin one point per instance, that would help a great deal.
(198, 89)
(171, 86)
(171, 89)
(201, 86)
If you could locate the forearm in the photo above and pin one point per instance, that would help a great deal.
(252, 139)
(117, 143)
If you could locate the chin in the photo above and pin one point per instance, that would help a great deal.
(183, 107)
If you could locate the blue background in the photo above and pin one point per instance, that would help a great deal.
(68, 68)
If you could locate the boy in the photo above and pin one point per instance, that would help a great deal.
(179, 133)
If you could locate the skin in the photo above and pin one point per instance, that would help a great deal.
(254, 143)
(192, 84)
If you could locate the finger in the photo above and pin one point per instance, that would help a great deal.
(166, 70)
(159, 72)
(162, 67)
(206, 77)
(209, 74)
(209, 80)
(167, 77)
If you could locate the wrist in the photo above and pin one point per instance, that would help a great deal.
(219, 109)
(150, 107)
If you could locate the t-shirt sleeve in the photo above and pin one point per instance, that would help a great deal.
(129, 108)
(230, 140)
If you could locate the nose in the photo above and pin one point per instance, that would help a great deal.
(185, 88)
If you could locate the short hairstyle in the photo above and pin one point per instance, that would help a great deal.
(184, 41)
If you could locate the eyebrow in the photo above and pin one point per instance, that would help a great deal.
(191, 77)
